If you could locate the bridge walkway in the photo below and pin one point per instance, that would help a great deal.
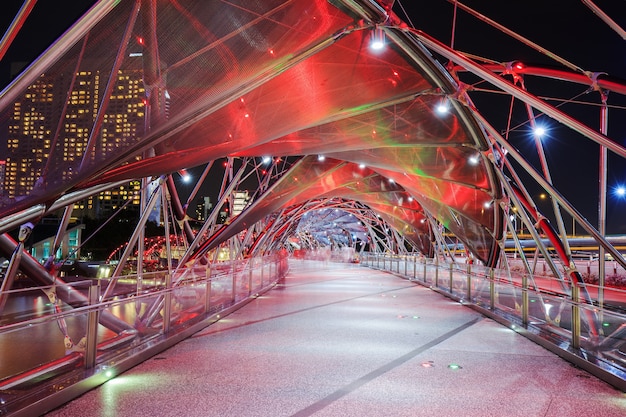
(343, 340)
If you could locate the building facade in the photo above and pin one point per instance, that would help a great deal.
(53, 123)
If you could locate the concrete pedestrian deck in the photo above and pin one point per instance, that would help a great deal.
(343, 340)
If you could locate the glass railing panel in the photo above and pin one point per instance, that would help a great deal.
(221, 291)
(242, 280)
(480, 289)
(610, 348)
(41, 348)
(188, 303)
(458, 286)
(255, 271)
(507, 299)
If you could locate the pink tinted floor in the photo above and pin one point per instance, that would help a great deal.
(344, 340)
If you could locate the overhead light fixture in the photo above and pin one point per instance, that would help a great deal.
(377, 41)
(539, 131)
(443, 106)
(184, 175)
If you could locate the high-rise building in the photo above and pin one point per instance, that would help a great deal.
(204, 208)
(240, 201)
(51, 126)
(3, 165)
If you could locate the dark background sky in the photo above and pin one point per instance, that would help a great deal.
(569, 29)
(566, 27)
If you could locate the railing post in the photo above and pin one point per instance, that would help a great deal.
(525, 299)
(209, 285)
(167, 303)
(250, 277)
(234, 282)
(469, 282)
(262, 268)
(414, 267)
(575, 316)
(92, 328)
(492, 289)
(451, 276)
(405, 267)
(436, 271)
(424, 274)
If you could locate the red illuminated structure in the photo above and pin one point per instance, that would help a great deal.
(289, 99)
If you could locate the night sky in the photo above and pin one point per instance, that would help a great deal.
(565, 27)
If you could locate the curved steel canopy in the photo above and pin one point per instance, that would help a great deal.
(294, 78)
(278, 78)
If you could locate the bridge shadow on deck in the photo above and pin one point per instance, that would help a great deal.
(343, 340)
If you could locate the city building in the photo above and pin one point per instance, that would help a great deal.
(203, 209)
(41, 242)
(36, 138)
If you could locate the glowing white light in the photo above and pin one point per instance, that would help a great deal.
(184, 175)
(620, 191)
(361, 166)
(266, 159)
(378, 39)
(473, 160)
(442, 107)
(321, 157)
(539, 131)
